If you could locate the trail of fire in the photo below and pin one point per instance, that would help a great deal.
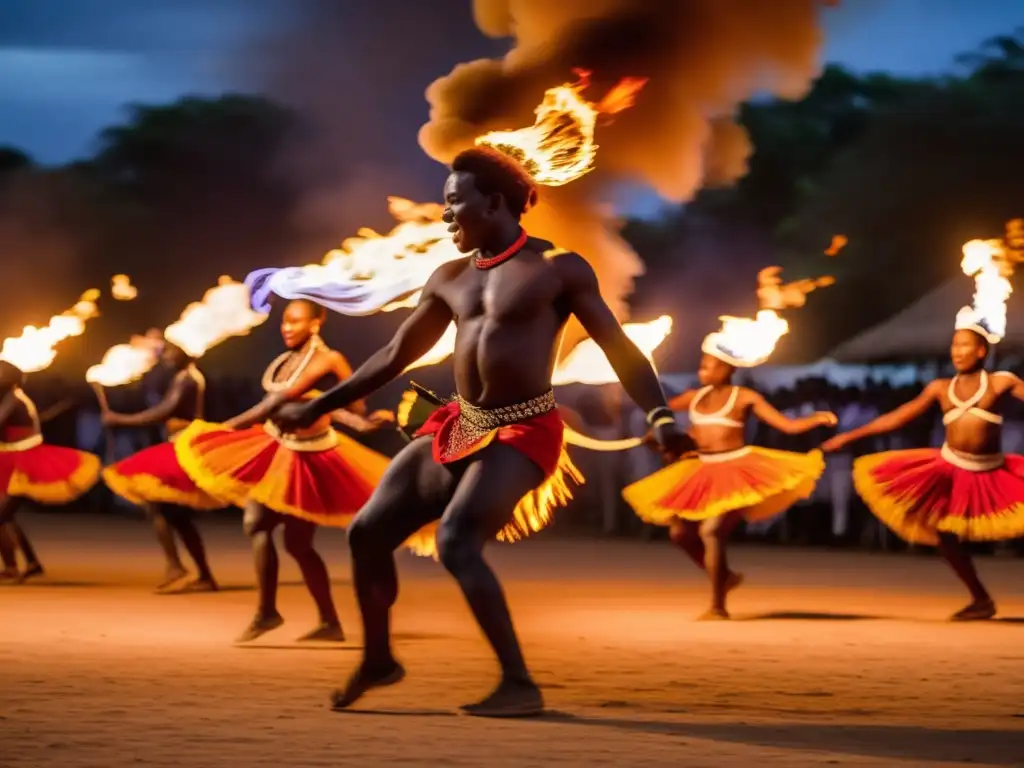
(35, 348)
(223, 312)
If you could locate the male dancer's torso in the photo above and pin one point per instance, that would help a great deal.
(510, 320)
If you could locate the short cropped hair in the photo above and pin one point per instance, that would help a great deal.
(495, 173)
(315, 310)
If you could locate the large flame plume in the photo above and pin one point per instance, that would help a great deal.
(559, 147)
(701, 59)
(125, 363)
(988, 262)
(747, 342)
(224, 312)
(35, 348)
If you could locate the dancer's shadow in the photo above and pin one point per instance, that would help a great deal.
(807, 616)
(398, 712)
(990, 747)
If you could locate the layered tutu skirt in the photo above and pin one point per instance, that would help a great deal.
(47, 474)
(324, 480)
(921, 493)
(760, 481)
(540, 438)
(154, 475)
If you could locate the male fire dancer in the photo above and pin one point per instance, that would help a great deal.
(500, 436)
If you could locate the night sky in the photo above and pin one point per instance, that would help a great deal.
(69, 67)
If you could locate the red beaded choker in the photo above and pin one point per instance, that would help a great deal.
(508, 253)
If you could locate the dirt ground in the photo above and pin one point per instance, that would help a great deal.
(835, 658)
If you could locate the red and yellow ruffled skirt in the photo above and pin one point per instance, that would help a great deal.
(920, 493)
(47, 474)
(539, 438)
(324, 480)
(154, 475)
(760, 481)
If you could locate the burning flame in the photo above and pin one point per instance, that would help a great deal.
(746, 342)
(838, 243)
(125, 363)
(559, 147)
(121, 288)
(224, 312)
(34, 349)
(587, 364)
(988, 263)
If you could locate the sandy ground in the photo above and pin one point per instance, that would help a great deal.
(836, 658)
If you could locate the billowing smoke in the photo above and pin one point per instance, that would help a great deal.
(702, 59)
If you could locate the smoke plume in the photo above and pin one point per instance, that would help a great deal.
(702, 57)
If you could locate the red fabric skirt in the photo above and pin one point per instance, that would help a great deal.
(325, 486)
(539, 438)
(47, 474)
(918, 494)
(154, 475)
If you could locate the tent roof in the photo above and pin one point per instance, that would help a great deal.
(924, 328)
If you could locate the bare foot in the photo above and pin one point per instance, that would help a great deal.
(733, 580)
(979, 610)
(9, 575)
(332, 633)
(33, 570)
(512, 698)
(173, 574)
(260, 626)
(367, 677)
(714, 614)
(197, 585)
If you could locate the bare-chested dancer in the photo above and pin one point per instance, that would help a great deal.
(965, 491)
(154, 480)
(30, 469)
(484, 452)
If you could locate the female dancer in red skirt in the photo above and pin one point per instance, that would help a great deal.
(965, 491)
(30, 469)
(702, 498)
(154, 480)
(296, 480)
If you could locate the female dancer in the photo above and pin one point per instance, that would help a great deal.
(703, 498)
(295, 480)
(965, 491)
(30, 469)
(154, 480)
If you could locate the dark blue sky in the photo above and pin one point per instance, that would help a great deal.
(67, 68)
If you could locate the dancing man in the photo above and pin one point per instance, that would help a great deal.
(154, 480)
(703, 498)
(294, 479)
(30, 469)
(501, 436)
(967, 490)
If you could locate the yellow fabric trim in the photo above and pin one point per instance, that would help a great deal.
(143, 489)
(798, 474)
(85, 476)
(533, 512)
(895, 512)
(271, 489)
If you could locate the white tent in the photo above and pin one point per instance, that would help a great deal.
(923, 330)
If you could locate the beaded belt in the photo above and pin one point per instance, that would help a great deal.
(475, 423)
(311, 444)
